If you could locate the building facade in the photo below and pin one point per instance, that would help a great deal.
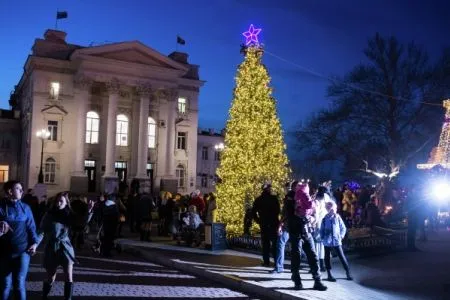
(9, 145)
(114, 113)
(210, 145)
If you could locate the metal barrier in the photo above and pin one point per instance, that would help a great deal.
(358, 238)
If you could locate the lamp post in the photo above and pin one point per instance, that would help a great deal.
(43, 134)
(219, 147)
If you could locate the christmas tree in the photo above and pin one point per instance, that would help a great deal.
(254, 150)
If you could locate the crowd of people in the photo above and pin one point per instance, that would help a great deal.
(312, 217)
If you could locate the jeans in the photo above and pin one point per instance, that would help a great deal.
(341, 255)
(301, 238)
(13, 273)
(281, 244)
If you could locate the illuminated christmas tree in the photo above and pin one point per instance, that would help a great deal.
(254, 150)
(440, 155)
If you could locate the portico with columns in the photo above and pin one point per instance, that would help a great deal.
(121, 116)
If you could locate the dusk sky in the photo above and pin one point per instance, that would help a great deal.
(325, 36)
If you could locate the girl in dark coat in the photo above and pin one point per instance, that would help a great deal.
(55, 226)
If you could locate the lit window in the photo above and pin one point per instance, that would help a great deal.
(122, 130)
(182, 105)
(53, 129)
(181, 140)
(4, 173)
(120, 164)
(181, 174)
(54, 90)
(88, 163)
(151, 133)
(92, 127)
(50, 170)
(204, 153)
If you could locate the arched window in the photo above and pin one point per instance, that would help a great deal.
(92, 127)
(50, 170)
(181, 176)
(122, 130)
(151, 133)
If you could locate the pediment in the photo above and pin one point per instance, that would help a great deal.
(131, 52)
(54, 110)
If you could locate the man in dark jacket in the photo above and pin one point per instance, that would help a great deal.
(266, 210)
(299, 214)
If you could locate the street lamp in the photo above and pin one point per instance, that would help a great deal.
(43, 134)
(219, 147)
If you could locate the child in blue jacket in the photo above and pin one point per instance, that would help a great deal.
(332, 232)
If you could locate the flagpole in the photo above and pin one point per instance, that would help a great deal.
(56, 22)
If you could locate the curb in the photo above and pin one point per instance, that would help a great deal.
(229, 281)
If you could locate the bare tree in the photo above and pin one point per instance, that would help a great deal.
(382, 113)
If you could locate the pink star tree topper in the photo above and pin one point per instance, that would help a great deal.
(251, 35)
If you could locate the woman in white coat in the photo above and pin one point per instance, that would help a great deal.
(320, 212)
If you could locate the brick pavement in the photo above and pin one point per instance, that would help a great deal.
(127, 277)
(402, 275)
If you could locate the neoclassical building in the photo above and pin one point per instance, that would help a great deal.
(114, 113)
(209, 146)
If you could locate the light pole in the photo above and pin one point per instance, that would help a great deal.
(43, 134)
(219, 147)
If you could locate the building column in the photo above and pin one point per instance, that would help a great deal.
(78, 180)
(171, 133)
(144, 93)
(110, 180)
(169, 182)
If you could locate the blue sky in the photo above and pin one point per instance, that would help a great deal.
(326, 36)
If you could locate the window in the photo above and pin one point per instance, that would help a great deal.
(181, 140)
(4, 173)
(122, 131)
(50, 170)
(120, 165)
(149, 170)
(151, 133)
(92, 127)
(216, 155)
(54, 90)
(182, 105)
(88, 163)
(204, 153)
(53, 129)
(180, 173)
(204, 181)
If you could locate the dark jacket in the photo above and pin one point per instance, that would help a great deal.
(288, 209)
(55, 227)
(19, 216)
(266, 210)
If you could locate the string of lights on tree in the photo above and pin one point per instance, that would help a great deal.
(254, 151)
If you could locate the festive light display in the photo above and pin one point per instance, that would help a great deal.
(440, 155)
(254, 151)
(251, 36)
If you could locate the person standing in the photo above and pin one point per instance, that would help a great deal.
(211, 206)
(283, 230)
(18, 240)
(109, 219)
(299, 218)
(319, 212)
(332, 232)
(265, 211)
(55, 227)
